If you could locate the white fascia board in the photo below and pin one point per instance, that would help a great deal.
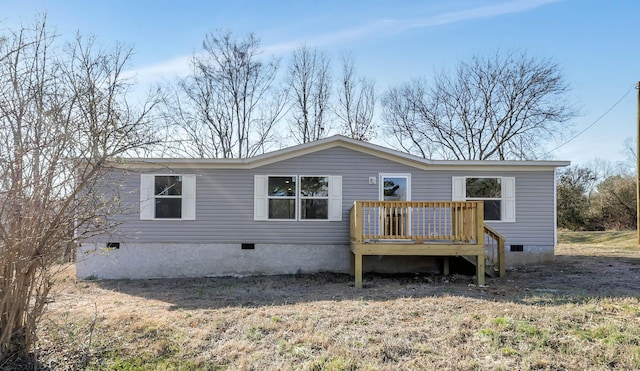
(338, 141)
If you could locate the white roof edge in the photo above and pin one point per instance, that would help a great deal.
(333, 141)
(547, 163)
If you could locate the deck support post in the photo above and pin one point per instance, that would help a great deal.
(445, 266)
(480, 270)
(358, 269)
(352, 263)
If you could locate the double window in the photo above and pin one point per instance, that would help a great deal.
(298, 197)
(167, 196)
(497, 194)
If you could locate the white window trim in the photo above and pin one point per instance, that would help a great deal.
(261, 198)
(148, 197)
(508, 193)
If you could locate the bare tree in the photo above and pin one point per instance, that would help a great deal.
(309, 84)
(573, 197)
(356, 103)
(228, 107)
(63, 118)
(402, 119)
(499, 107)
(631, 157)
(615, 202)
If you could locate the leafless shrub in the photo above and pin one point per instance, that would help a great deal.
(63, 118)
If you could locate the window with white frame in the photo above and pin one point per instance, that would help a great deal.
(298, 197)
(497, 194)
(282, 197)
(314, 197)
(167, 196)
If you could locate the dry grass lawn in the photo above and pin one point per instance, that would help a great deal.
(580, 312)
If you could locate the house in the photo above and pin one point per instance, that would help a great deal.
(294, 210)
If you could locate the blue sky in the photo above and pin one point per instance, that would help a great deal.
(593, 41)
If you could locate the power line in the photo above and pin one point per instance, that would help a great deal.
(594, 122)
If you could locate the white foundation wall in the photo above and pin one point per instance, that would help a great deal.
(529, 255)
(172, 260)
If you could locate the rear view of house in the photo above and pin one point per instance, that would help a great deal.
(304, 209)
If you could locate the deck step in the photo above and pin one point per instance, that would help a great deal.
(490, 269)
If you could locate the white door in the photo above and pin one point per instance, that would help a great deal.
(395, 187)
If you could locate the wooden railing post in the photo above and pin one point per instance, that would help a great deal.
(480, 241)
(352, 221)
(358, 222)
(479, 223)
(502, 259)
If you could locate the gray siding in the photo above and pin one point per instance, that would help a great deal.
(224, 211)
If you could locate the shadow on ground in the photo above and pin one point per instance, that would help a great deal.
(569, 278)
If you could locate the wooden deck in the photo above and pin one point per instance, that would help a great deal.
(424, 228)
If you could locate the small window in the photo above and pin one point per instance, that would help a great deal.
(168, 196)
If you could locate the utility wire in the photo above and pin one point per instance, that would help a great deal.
(594, 122)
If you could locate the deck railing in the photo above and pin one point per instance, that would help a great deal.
(420, 221)
(424, 228)
(494, 249)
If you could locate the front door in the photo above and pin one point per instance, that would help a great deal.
(395, 187)
(395, 219)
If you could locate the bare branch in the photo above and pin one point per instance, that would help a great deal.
(498, 107)
(356, 103)
(309, 83)
(228, 106)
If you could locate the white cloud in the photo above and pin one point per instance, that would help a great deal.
(180, 66)
(476, 13)
(389, 25)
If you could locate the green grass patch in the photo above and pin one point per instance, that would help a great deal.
(597, 238)
(500, 321)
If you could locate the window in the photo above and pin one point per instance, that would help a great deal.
(298, 197)
(282, 197)
(167, 196)
(498, 194)
(489, 190)
(314, 197)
